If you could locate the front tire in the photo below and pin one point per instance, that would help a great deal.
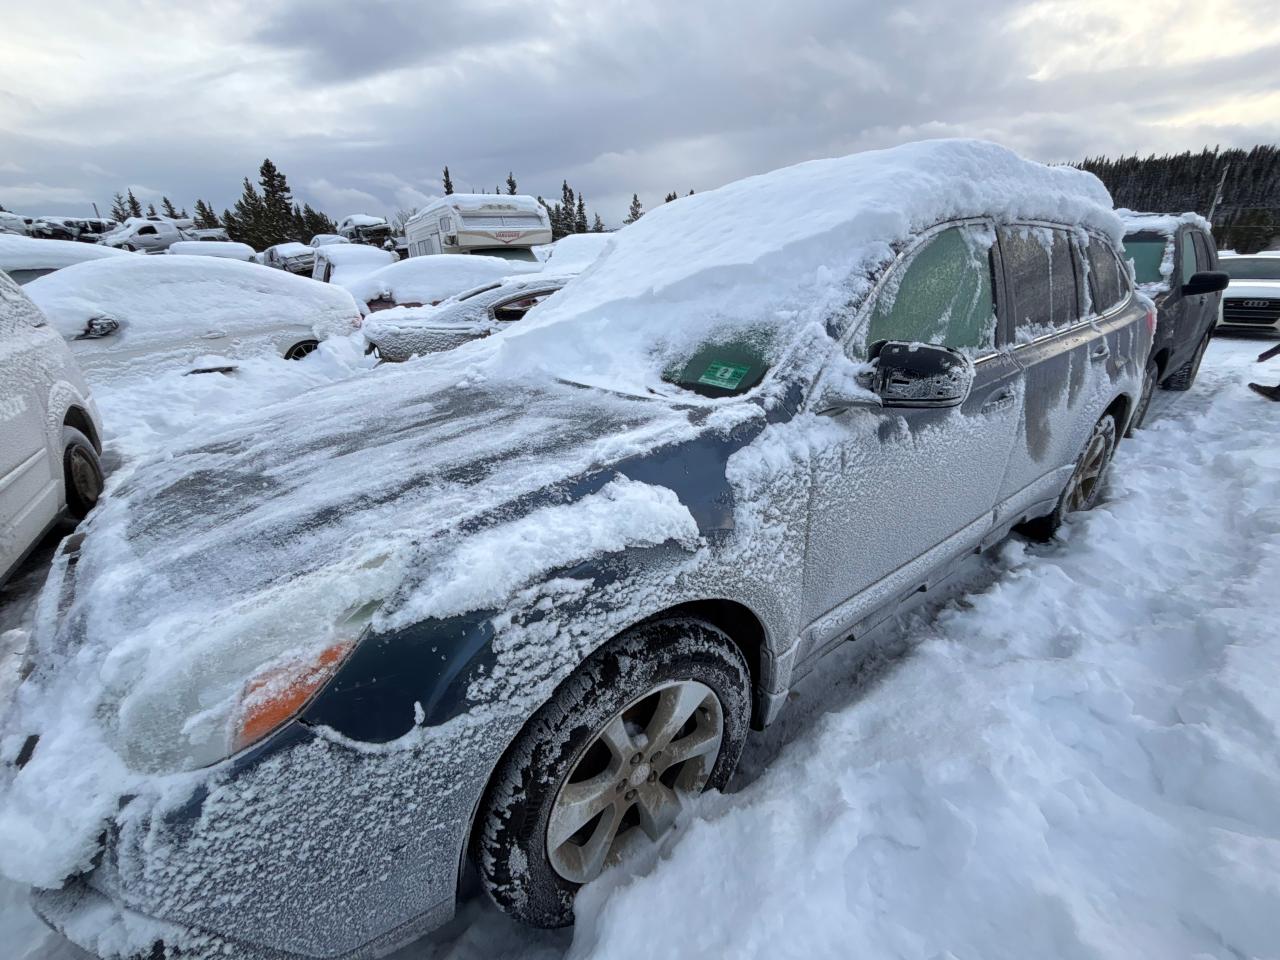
(654, 717)
(81, 473)
(1084, 489)
(301, 349)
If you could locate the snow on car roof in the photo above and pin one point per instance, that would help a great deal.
(576, 252)
(1163, 223)
(779, 252)
(433, 278)
(292, 249)
(29, 253)
(211, 248)
(364, 220)
(184, 292)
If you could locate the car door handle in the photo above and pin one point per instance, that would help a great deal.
(1100, 353)
(999, 400)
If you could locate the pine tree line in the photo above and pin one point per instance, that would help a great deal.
(1247, 216)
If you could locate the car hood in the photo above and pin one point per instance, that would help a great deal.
(1263, 289)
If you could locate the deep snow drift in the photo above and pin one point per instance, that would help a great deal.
(1078, 760)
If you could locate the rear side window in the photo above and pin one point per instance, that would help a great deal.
(1204, 259)
(146, 230)
(1188, 256)
(1105, 284)
(942, 296)
(517, 308)
(1042, 277)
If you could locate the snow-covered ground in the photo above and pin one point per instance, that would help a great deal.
(1079, 757)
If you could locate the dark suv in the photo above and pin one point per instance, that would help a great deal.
(1175, 262)
(467, 611)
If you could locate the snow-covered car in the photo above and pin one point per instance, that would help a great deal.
(49, 465)
(425, 281)
(15, 223)
(323, 239)
(55, 228)
(291, 257)
(574, 253)
(226, 249)
(516, 607)
(365, 228)
(207, 233)
(404, 332)
(27, 258)
(153, 313)
(345, 263)
(144, 234)
(1175, 263)
(1252, 301)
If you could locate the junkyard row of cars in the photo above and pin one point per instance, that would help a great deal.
(501, 608)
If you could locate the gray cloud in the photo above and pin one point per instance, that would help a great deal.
(362, 104)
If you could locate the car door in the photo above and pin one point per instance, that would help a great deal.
(897, 492)
(1065, 355)
(1207, 306)
(29, 477)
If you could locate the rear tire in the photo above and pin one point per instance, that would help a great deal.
(1185, 375)
(599, 751)
(1084, 489)
(81, 473)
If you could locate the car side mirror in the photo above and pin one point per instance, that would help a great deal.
(920, 375)
(1206, 281)
(99, 327)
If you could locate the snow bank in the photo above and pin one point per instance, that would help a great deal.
(576, 252)
(30, 253)
(163, 299)
(779, 252)
(1082, 760)
(350, 261)
(430, 279)
(212, 248)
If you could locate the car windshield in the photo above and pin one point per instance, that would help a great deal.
(726, 368)
(1252, 268)
(1147, 251)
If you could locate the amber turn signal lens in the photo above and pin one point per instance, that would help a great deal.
(275, 696)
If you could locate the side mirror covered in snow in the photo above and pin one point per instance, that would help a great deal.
(920, 375)
(99, 327)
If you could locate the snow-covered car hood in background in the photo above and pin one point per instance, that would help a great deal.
(432, 278)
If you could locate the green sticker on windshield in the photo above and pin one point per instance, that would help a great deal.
(724, 374)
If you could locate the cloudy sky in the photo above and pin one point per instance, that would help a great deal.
(361, 104)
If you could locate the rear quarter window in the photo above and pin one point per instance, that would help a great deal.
(1041, 270)
(1107, 287)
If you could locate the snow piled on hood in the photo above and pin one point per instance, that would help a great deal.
(31, 253)
(432, 278)
(780, 251)
(1080, 761)
(576, 252)
(173, 297)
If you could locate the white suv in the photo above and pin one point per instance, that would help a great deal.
(49, 455)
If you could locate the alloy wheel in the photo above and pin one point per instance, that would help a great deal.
(628, 784)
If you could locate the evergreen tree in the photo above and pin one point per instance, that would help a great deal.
(277, 223)
(135, 208)
(119, 208)
(670, 196)
(205, 218)
(636, 210)
(689, 194)
(597, 225)
(511, 184)
(580, 216)
(448, 182)
(169, 209)
(245, 223)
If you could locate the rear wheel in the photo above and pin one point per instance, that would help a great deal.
(1084, 489)
(655, 717)
(301, 349)
(1149, 381)
(1185, 375)
(81, 473)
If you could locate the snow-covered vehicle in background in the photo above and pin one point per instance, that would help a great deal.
(148, 314)
(226, 249)
(27, 258)
(144, 234)
(543, 587)
(1252, 300)
(367, 229)
(344, 263)
(426, 281)
(290, 257)
(401, 333)
(479, 223)
(1175, 263)
(15, 223)
(49, 457)
(55, 228)
(324, 239)
(208, 234)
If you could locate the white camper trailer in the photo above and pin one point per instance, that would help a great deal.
(495, 225)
